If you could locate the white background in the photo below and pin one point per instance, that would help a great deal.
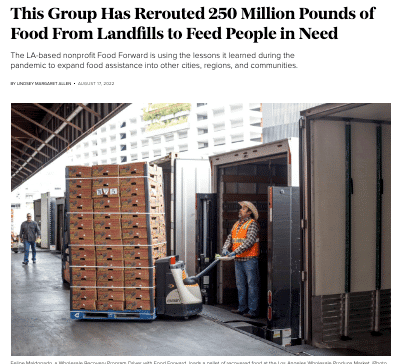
(361, 66)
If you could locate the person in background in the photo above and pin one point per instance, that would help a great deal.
(243, 241)
(29, 234)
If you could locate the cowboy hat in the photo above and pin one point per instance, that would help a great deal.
(251, 207)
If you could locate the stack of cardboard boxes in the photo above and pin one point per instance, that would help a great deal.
(117, 231)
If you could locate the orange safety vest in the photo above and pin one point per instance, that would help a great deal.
(239, 235)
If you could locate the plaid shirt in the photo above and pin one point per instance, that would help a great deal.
(251, 236)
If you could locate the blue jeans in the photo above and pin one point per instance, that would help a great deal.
(28, 244)
(247, 280)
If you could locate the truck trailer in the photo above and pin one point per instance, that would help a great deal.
(345, 196)
(325, 261)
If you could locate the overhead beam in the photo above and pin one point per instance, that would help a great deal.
(29, 146)
(21, 172)
(58, 116)
(39, 125)
(104, 119)
(34, 137)
(21, 151)
(16, 176)
(20, 165)
(15, 179)
(89, 110)
(26, 162)
(21, 135)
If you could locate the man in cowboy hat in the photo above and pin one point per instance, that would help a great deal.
(243, 241)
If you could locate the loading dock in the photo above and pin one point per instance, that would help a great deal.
(234, 173)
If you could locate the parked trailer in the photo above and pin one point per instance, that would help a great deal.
(268, 176)
(183, 178)
(345, 169)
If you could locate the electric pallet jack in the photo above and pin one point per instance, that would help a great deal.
(176, 294)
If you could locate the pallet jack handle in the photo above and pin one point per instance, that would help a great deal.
(194, 279)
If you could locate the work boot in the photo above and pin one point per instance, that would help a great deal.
(25, 263)
(249, 315)
(238, 311)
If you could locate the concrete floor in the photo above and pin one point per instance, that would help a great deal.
(41, 326)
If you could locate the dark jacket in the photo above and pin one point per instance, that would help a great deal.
(29, 231)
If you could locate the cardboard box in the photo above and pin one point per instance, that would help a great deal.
(160, 251)
(83, 262)
(107, 234)
(110, 182)
(135, 209)
(139, 263)
(80, 205)
(84, 305)
(109, 252)
(132, 169)
(134, 273)
(110, 305)
(155, 170)
(107, 224)
(103, 170)
(129, 221)
(135, 242)
(83, 293)
(137, 305)
(110, 274)
(79, 216)
(110, 263)
(83, 274)
(133, 204)
(135, 233)
(106, 204)
(103, 192)
(80, 242)
(132, 294)
(79, 171)
(111, 214)
(136, 252)
(66, 269)
(81, 234)
(140, 283)
(110, 284)
(85, 284)
(82, 252)
(115, 294)
(133, 182)
(133, 191)
(81, 183)
(109, 242)
(77, 224)
(156, 209)
(79, 193)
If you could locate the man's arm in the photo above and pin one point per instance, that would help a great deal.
(227, 245)
(251, 237)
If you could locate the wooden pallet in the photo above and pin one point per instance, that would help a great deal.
(113, 315)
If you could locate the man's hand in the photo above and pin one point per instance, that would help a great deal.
(38, 240)
(224, 253)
